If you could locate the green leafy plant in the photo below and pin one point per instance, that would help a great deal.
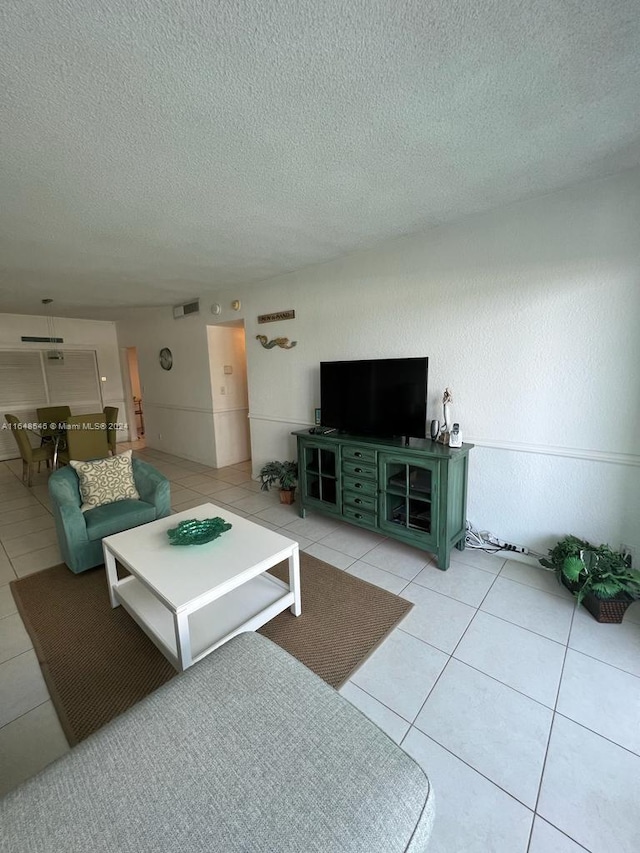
(285, 474)
(591, 569)
(570, 546)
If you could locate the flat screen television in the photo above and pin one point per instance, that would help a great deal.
(378, 397)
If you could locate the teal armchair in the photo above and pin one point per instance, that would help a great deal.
(80, 534)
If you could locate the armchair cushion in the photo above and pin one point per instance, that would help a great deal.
(114, 518)
(105, 481)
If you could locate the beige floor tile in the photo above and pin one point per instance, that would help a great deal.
(196, 468)
(7, 603)
(371, 574)
(16, 515)
(22, 686)
(257, 520)
(230, 475)
(183, 495)
(36, 561)
(254, 503)
(174, 472)
(479, 559)
(28, 744)
(232, 495)
(30, 542)
(41, 493)
(190, 481)
(14, 639)
(29, 525)
(9, 502)
(216, 487)
(6, 569)
(169, 458)
(233, 509)
(37, 479)
(328, 555)
(190, 504)
(9, 480)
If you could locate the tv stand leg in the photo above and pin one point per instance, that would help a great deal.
(443, 559)
(460, 544)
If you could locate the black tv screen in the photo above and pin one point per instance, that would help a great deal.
(378, 397)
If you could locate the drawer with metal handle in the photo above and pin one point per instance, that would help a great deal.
(365, 519)
(358, 486)
(354, 454)
(359, 469)
(357, 500)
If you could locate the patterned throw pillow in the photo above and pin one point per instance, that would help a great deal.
(104, 481)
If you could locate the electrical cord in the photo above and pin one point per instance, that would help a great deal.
(480, 540)
(483, 540)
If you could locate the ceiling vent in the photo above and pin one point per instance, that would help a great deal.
(186, 309)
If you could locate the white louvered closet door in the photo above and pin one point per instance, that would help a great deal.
(22, 390)
(74, 382)
(29, 380)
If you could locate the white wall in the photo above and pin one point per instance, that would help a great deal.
(531, 314)
(177, 403)
(229, 393)
(97, 335)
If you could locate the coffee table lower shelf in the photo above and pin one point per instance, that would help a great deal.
(245, 608)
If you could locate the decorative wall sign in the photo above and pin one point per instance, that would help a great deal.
(277, 315)
(284, 343)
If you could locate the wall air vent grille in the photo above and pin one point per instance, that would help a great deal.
(186, 309)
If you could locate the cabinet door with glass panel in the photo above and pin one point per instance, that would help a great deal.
(408, 497)
(319, 471)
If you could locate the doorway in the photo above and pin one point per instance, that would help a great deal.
(229, 392)
(135, 411)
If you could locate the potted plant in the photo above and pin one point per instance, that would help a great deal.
(600, 578)
(285, 474)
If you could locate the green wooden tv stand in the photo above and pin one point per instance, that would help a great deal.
(416, 493)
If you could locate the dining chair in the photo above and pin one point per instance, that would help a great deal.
(52, 418)
(30, 455)
(86, 438)
(53, 421)
(111, 418)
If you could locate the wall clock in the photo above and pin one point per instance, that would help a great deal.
(166, 358)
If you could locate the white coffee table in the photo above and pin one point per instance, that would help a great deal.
(191, 599)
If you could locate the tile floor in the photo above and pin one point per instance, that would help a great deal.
(524, 711)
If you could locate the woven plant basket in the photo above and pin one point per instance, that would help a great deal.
(572, 586)
(609, 610)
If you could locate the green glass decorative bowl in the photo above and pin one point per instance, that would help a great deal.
(197, 531)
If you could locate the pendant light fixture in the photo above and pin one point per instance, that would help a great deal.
(52, 354)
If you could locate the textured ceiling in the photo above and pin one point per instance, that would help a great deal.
(155, 149)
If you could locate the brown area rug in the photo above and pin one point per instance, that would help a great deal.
(97, 662)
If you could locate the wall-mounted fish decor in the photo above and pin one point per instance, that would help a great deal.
(284, 343)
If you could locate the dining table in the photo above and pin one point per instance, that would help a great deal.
(55, 431)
